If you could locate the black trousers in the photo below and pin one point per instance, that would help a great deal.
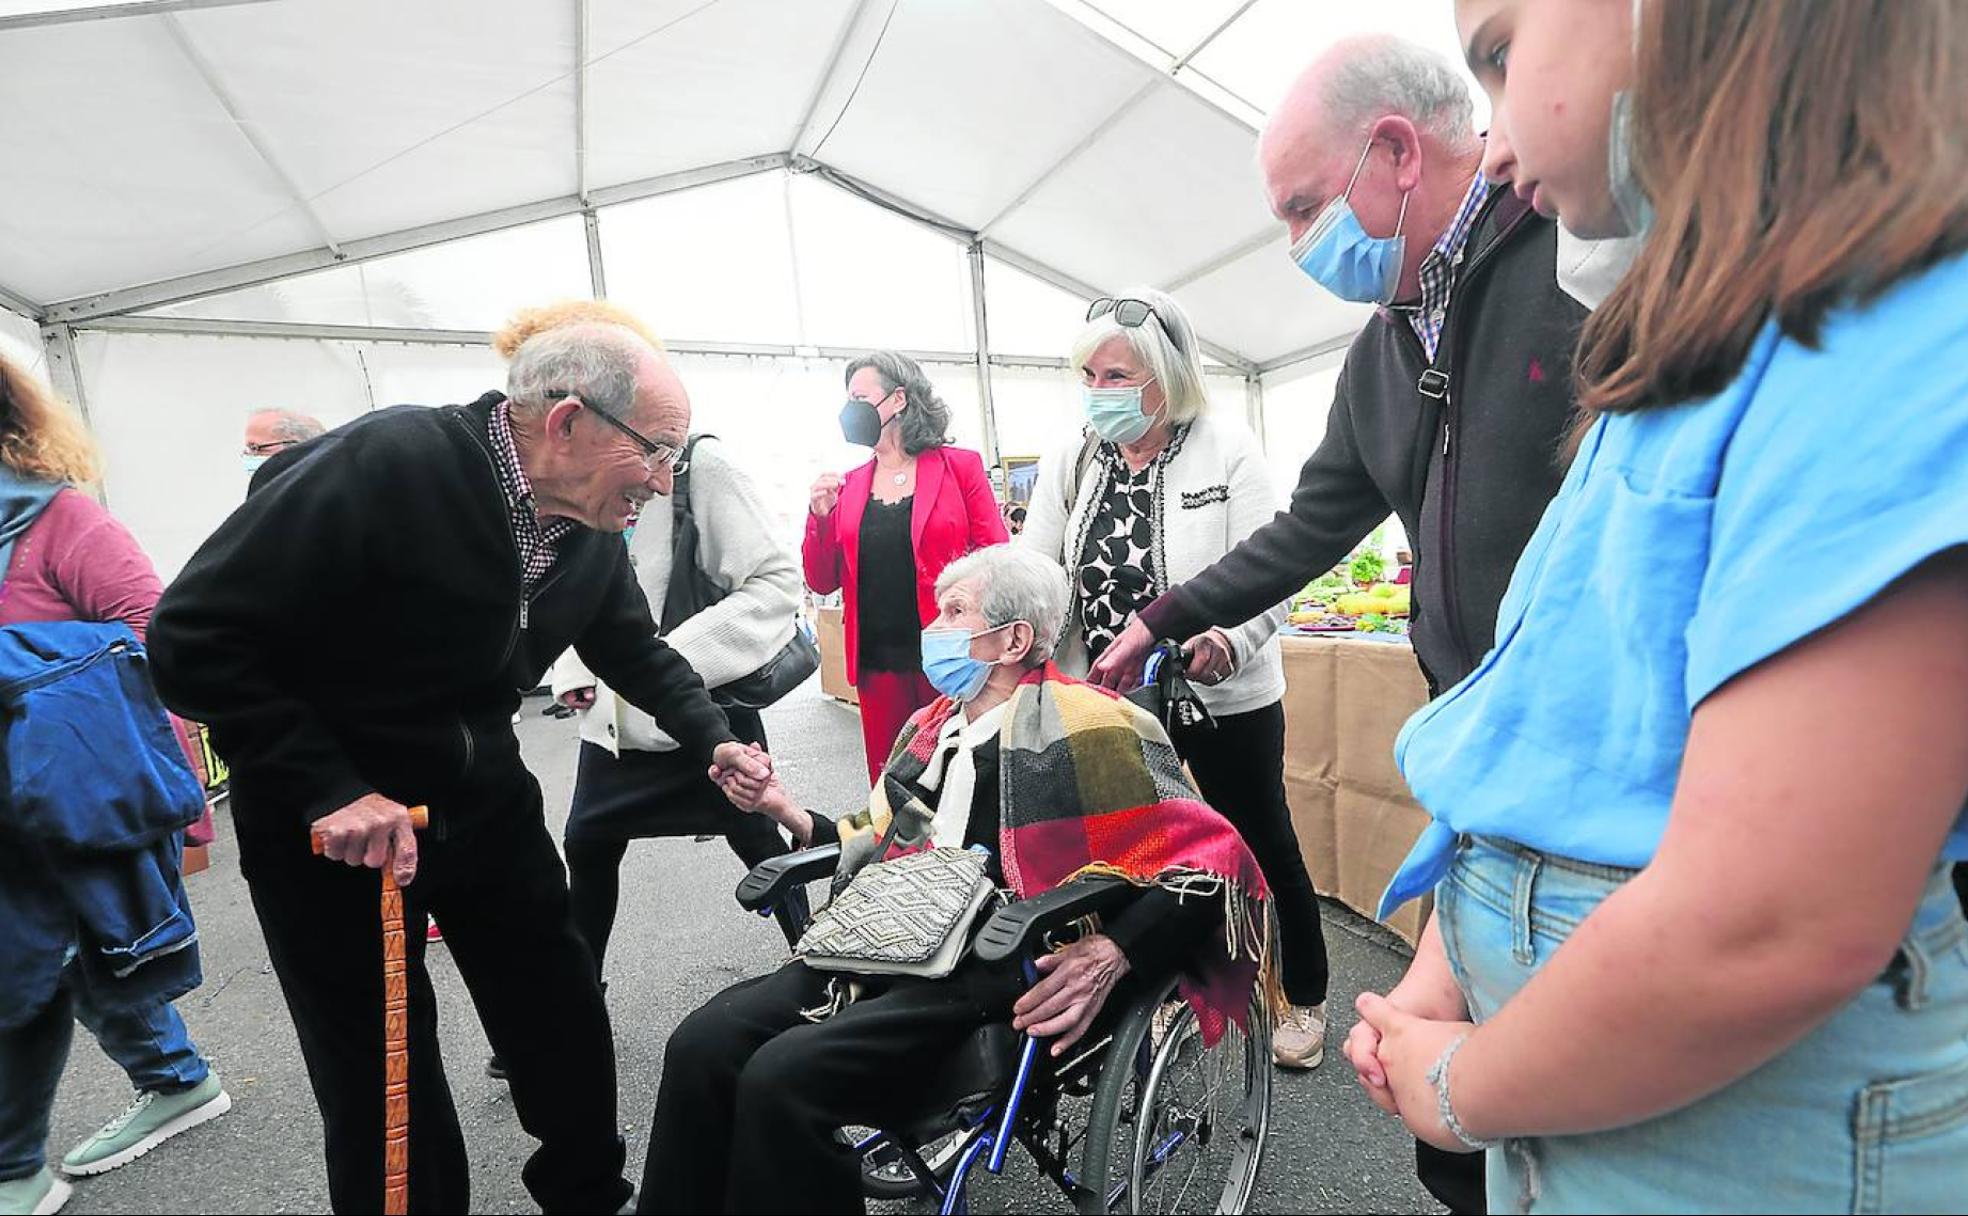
(1456, 1179)
(752, 1092)
(1240, 767)
(641, 795)
(495, 882)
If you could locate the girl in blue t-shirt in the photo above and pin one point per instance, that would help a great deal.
(1694, 946)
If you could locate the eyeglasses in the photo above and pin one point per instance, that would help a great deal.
(654, 455)
(270, 448)
(1131, 313)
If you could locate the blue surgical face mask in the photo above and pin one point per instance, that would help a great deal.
(1343, 259)
(251, 462)
(946, 661)
(1115, 413)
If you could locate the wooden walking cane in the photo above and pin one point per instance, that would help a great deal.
(396, 1039)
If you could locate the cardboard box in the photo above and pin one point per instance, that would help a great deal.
(1345, 700)
(831, 637)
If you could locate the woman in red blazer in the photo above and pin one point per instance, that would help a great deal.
(882, 534)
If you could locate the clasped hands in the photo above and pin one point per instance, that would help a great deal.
(1393, 1047)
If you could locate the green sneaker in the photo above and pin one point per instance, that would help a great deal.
(150, 1120)
(38, 1194)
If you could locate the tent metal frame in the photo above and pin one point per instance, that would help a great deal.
(111, 311)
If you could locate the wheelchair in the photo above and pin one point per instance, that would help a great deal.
(1140, 1117)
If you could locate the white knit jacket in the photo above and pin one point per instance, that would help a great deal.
(733, 637)
(1213, 493)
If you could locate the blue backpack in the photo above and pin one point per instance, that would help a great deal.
(88, 759)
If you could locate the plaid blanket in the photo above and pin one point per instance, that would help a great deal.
(1090, 784)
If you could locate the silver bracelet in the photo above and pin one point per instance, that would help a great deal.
(1438, 1076)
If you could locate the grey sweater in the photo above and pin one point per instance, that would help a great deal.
(1465, 450)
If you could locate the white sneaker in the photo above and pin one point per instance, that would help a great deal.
(1300, 1039)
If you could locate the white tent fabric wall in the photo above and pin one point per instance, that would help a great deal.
(169, 412)
(20, 339)
(273, 160)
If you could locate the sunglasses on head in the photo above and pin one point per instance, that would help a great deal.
(654, 455)
(1130, 313)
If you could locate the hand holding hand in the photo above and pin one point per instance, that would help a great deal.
(1407, 1048)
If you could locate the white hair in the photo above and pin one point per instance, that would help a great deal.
(598, 362)
(1388, 75)
(1166, 342)
(1014, 584)
(291, 426)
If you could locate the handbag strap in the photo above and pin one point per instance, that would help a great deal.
(690, 590)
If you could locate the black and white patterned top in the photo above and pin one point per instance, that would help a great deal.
(1117, 563)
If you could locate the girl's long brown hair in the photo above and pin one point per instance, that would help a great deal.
(1800, 154)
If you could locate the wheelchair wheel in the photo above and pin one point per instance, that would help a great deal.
(1175, 1127)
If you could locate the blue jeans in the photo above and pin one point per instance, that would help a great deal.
(1869, 1112)
(150, 1043)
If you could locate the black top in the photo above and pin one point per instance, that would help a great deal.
(1157, 932)
(1117, 566)
(1466, 450)
(357, 626)
(890, 622)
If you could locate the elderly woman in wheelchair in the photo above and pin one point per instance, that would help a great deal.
(897, 1013)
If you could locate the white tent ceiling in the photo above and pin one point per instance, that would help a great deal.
(164, 149)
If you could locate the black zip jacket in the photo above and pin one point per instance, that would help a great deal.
(1466, 451)
(357, 625)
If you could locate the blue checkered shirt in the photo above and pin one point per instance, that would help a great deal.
(1438, 269)
(535, 537)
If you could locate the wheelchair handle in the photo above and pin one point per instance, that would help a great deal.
(1017, 928)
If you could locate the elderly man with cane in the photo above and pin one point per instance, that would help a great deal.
(356, 635)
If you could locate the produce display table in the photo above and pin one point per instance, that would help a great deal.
(1345, 700)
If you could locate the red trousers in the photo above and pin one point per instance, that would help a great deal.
(887, 700)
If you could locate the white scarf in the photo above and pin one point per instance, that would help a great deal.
(953, 769)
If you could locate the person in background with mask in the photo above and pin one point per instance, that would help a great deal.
(1451, 407)
(1153, 493)
(1693, 814)
(271, 432)
(882, 534)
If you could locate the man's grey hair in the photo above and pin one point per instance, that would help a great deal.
(1014, 584)
(1165, 344)
(292, 426)
(599, 363)
(926, 423)
(1385, 75)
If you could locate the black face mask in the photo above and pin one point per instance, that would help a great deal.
(861, 422)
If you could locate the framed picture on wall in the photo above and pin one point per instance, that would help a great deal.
(1021, 475)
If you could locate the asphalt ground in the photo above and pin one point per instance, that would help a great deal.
(678, 939)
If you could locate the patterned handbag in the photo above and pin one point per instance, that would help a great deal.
(907, 916)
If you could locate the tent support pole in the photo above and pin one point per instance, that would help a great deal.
(978, 311)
